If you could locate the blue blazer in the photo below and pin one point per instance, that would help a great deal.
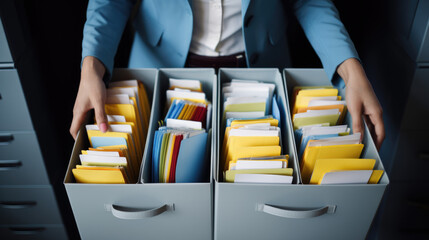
(163, 32)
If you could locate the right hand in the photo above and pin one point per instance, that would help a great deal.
(91, 95)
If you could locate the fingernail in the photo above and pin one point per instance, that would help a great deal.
(103, 127)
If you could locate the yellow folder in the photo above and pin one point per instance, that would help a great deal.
(234, 163)
(375, 176)
(305, 96)
(129, 111)
(323, 166)
(272, 121)
(342, 108)
(243, 141)
(311, 154)
(133, 161)
(98, 176)
(246, 152)
(305, 121)
(230, 174)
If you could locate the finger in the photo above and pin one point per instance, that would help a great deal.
(377, 120)
(78, 118)
(100, 116)
(370, 126)
(357, 125)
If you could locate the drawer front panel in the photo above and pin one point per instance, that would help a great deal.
(137, 211)
(33, 232)
(238, 213)
(412, 157)
(28, 206)
(21, 161)
(5, 56)
(15, 115)
(417, 108)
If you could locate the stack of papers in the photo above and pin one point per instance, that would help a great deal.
(179, 146)
(251, 148)
(115, 156)
(328, 153)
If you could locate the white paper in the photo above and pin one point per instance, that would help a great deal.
(253, 133)
(244, 114)
(84, 158)
(317, 113)
(185, 83)
(188, 95)
(262, 178)
(116, 118)
(103, 153)
(241, 100)
(347, 177)
(259, 164)
(342, 140)
(325, 130)
(314, 103)
(117, 99)
(177, 123)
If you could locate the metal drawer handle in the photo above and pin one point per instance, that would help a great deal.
(5, 139)
(137, 213)
(7, 165)
(17, 204)
(295, 213)
(27, 230)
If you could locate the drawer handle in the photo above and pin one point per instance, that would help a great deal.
(7, 165)
(137, 213)
(27, 230)
(18, 205)
(294, 213)
(5, 139)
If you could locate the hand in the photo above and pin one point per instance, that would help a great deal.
(91, 95)
(361, 100)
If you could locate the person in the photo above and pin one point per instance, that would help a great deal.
(242, 33)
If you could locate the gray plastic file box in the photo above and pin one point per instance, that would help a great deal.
(296, 211)
(145, 210)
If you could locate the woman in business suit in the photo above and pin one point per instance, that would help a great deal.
(216, 33)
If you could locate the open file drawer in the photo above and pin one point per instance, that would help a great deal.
(144, 211)
(296, 211)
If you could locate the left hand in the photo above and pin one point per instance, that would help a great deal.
(361, 100)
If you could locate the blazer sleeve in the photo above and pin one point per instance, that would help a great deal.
(322, 25)
(105, 23)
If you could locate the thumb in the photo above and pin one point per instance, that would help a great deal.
(100, 116)
(357, 122)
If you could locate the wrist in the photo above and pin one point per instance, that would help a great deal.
(351, 70)
(92, 68)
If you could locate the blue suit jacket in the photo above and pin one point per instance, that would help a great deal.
(164, 31)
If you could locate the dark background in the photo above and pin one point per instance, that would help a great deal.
(45, 38)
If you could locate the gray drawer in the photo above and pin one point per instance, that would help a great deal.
(116, 211)
(417, 108)
(24, 205)
(13, 108)
(21, 161)
(142, 211)
(239, 213)
(297, 211)
(412, 157)
(33, 232)
(5, 56)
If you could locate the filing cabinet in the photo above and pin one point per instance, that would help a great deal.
(411, 25)
(146, 210)
(295, 211)
(28, 204)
